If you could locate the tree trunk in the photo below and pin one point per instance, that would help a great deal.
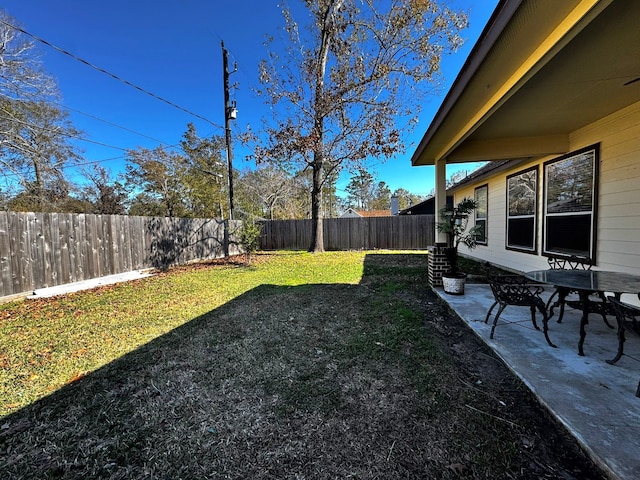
(319, 111)
(39, 186)
(317, 233)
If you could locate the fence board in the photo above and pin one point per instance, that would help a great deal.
(136, 241)
(16, 224)
(6, 271)
(38, 250)
(54, 253)
(41, 242)
(405, 232)
(46, 249)
(62, 235)
(81, 247)
(31, 246)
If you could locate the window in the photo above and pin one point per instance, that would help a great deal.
(522, 189)
(481, 198)
(570, 204)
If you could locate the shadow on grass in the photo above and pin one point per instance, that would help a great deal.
(316, 381)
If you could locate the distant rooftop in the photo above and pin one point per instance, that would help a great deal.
(352, 212)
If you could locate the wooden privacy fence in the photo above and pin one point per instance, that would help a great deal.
(40, 250)
(400, 232)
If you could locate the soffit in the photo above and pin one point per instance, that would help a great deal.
(580, 78)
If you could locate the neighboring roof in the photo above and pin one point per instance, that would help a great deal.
(426, 207)
(490, 168)
(374, 213)
(540, 70)
(352, 212)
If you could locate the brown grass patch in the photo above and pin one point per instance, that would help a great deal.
(375, 380)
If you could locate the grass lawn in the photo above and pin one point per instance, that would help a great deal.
(337, 365)
(51, 342)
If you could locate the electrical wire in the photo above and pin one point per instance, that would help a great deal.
(53, 130)
(107, 122)
(77, 137)
(116, 77)
(112, 75)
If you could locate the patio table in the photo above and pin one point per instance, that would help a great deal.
(586, 282)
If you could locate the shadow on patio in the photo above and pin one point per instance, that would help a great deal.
(595, 400)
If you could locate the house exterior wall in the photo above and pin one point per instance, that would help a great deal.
(618, 221)
(618, 243)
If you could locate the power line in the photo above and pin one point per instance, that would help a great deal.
(109, 123)
(112, 75)
(53, 130)
(77, 137)
(76, 166)
(83, 139)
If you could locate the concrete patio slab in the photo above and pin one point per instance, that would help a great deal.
(594, 400)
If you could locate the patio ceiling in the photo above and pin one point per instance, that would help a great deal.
(540, 70)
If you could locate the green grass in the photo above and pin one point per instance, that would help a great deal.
(51, 342)
(337, 365)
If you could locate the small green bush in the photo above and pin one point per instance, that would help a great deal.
(250, 237)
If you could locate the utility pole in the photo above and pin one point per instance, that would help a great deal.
(229, 114)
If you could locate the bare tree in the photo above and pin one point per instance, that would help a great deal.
(22, 75)
(34, 134)
(349, 80)
(269, 188)
(34, 145)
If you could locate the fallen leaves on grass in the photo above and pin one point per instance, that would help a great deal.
(77, 376)
(319, 381)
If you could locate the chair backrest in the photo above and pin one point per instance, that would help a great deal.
(569, 263)
(625, 311)
(515, 290)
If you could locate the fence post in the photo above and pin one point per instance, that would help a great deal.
(225, 240)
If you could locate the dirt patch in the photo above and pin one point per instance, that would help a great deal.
(376, 380)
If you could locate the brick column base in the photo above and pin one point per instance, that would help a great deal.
(438, 264)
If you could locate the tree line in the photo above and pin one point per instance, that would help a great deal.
(345, 88)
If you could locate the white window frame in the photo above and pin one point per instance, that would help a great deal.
(528, 214)
(480, 217)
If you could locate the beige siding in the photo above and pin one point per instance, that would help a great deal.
(618, 246)
(495, 251)
(618, 234)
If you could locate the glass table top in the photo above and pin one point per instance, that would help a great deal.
(593, 280)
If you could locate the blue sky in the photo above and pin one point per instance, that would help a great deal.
(172, 48)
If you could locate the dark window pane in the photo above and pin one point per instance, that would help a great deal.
(522, 193)
(521, 233)
(482, 235)
(569, 234)
(481, 199)
(570, 184)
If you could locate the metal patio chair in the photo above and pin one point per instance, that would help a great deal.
(626, 315)
(516, 290)
(597, 302)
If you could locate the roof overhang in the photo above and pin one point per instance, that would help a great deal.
(540, 70)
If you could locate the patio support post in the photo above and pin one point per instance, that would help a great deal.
(437, 260)
(441, 195)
